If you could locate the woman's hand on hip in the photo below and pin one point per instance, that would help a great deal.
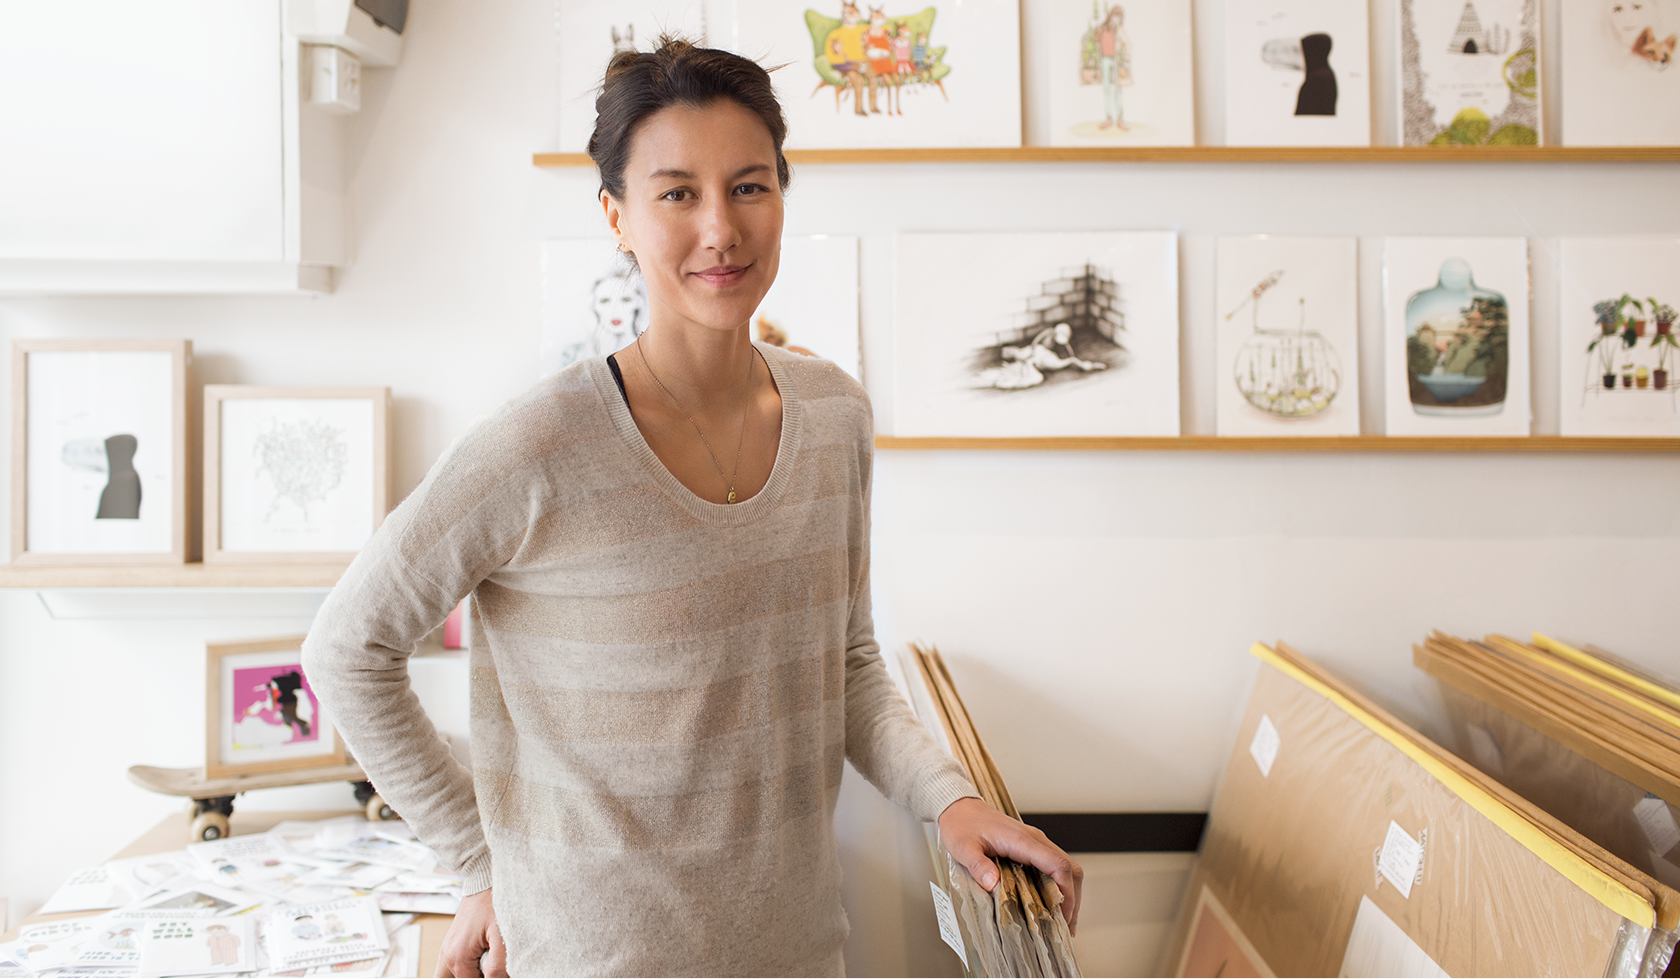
(974, 833)
(473, 942)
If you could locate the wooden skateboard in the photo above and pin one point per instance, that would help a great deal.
(212, 798)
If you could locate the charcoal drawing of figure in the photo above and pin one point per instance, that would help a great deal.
(120, 499)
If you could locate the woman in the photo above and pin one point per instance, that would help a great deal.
(672, 651)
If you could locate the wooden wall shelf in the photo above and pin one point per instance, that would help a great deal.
(194, 575)
(1352, 443)
(1210, 154)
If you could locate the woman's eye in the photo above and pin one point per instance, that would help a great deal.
(751, 189)
(673, 195)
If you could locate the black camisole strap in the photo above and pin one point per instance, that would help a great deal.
(618, 378)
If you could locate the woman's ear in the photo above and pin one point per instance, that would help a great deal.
(614, 212)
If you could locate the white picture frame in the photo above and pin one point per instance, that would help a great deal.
(812, 307)
(99, 452)
(1117, 80)
(1470, 73)
(1642, 396)
(294, 474)
(1288, 321)
(593, 302)
(1297, 73)
(990, 359)
(924, 73)
(1441, 334)
(589, 32)
(1621, 83)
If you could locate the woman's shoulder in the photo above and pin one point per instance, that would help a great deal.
(827, 393)
(816, 377)
(537, 423)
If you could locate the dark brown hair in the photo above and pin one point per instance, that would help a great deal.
(676, 72)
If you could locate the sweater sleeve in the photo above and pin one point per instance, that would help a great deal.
(884, 740)
(464, 520)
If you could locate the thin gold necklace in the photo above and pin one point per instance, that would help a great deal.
(730, 479)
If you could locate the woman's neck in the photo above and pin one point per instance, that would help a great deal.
(701, 366)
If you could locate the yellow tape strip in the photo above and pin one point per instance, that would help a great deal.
(1605, 889)
(1593, 664)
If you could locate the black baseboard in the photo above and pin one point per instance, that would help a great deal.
(1122, 832)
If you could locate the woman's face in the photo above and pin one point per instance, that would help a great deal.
(1628, 17)
(702, 212)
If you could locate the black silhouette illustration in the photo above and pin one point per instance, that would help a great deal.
(283, 691)
(120, 499)
(1318, 90)
(1309, 55)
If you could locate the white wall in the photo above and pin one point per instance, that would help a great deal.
(1097, 607)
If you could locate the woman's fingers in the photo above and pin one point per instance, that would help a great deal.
(1027, 845)
(968, 852)
(495, 960)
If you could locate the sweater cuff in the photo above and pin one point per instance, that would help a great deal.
(475, 876)
(938, 789)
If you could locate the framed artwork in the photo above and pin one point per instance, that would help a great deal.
(590, 32)
(1118, 73)
(1470, 72)
(1456, 329)
(897, 73)
(294, 474)
(1288, 352)
(1617, 342)
(593, 302)
(1216, 946)
(1057, 333)
(812, 308)
(261, 714)
(1297, 73)
(99, 451)
(1621, 87)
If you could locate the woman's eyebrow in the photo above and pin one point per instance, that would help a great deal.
(686, 175)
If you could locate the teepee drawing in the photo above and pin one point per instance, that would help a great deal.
(1471, 38)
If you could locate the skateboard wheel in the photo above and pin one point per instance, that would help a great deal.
(378, 811)
(209, 826)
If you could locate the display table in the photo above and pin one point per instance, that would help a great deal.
(170, 834)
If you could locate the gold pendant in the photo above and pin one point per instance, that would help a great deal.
(732, 496)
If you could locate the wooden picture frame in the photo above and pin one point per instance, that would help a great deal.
(249, 692)
(285, 533)
(82, 450)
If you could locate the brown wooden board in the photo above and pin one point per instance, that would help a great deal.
(191, 783)
(1292, 853)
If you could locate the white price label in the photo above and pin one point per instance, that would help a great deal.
(1401, 859)
(948, 921)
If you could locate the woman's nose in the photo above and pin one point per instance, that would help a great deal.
(718, 229)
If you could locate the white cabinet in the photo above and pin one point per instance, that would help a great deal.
(163, 146)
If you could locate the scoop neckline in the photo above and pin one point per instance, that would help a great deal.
(787, 446)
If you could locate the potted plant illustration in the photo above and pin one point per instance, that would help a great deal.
(1609, 316)
(1664, 314)
(1641, 377)
(1633, 324)
(1665, 343)
(1627, 375)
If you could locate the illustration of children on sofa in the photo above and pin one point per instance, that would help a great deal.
(861, 58)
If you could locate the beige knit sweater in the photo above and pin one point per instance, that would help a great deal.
(663, 689)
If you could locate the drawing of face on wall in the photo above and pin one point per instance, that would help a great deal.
(620, 304)
(1637, 27)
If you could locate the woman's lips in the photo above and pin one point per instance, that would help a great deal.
(723, 275)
